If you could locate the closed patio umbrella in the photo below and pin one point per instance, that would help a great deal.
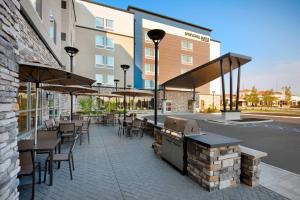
(40, 73)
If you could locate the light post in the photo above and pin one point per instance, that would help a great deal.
(116, 83)
(156, 35)
(71, 51)
(213, 93)
(125, 68)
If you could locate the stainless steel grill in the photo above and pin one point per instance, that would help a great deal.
(173, 140)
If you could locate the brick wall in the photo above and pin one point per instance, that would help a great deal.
(18, 42)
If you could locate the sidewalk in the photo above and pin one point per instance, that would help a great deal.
(281, 181)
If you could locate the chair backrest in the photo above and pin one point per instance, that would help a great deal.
(64, 117)
(85, 124)
(75, 117)
(145, 121)
(72, 146)
(26, 160)
(119, 121)
(42, 134)
(65, 128)
(137, 123)
(52, 121)
(48, 124)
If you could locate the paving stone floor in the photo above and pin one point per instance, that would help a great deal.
(113, 167)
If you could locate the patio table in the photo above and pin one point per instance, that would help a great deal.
(43, 145)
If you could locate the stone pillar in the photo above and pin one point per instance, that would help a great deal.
(214, 168)
(9, 83)
(164, 106)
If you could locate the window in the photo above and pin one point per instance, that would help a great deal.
(99, 60)
(63, 36)
(110, 80)
(63, 4)
(110, 61)
(185, 59)
(182, 71)
(99, 41)
(147, 39)
(99, 78)
(187, 45)
(149, 52)
(110, 43)
(149, 84)
(99, 22)
(52, 28)
(109, 24)
(150, 69)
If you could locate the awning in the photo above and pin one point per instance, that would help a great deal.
(67, 89)
(98, 95)
(135, 93)
(207, 72)
(40, 73)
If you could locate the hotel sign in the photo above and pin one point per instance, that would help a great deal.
(200, 37)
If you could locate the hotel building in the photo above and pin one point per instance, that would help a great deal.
(105, 38)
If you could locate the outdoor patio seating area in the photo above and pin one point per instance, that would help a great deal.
(114, 167)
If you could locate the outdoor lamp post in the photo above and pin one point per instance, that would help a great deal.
(156, 35)
(125, 68)
(116, 83)
(71, 51)
(213, 93)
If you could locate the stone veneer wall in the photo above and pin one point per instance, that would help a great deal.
(214, 168)
(179, 99)
(18, 42)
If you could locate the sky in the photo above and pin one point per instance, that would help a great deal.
(266, 30)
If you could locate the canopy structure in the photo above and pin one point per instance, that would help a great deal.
(135, 93)
(98, 95)
(210, 71)
(39, 73)
(67, 89)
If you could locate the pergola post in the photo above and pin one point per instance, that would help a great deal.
(223, 85)
(194, 101)
(230, 83)
(238, 86)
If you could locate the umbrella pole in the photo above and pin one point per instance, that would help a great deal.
(71, 105)
(36, 112)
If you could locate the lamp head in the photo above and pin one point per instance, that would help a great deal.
(116, 80)
(99, 84)
(125, 67)
(71, 51)
(156, 35)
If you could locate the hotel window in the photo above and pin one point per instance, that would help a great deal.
(99, 22)
(182, 71)
(63, 4)
(110, 80)
(109, 24)
(99, 41)
(37, 4)
(99, 78)
(52, 28)
(110, 61)
(185, 59)
(150, 69)
(110, 43)
(149, 52)
(147, 39)
(99, 60)
(186, 45)
(148, 84)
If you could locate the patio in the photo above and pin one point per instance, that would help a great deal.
(113, 167)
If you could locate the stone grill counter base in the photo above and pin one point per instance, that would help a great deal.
(214, 168)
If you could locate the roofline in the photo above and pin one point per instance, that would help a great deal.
(107, 6)
(215, 40)
(167, 17)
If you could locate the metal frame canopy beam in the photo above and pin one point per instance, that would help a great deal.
(208, 72)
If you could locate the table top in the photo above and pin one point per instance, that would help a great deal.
(212, 140)
(76, 122)
(42, 145)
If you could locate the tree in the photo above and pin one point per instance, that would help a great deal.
(86, 104)
(287, 94)
(252, 97)
(268, 98)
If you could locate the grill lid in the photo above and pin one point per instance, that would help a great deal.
(181, 125)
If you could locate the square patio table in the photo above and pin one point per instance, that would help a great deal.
(43, 145)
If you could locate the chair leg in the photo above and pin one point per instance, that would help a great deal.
(88, 133)
(80, 138)
(70, 168)
(33, 184)
(73, 162)
(46, 170)
(40, 173)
